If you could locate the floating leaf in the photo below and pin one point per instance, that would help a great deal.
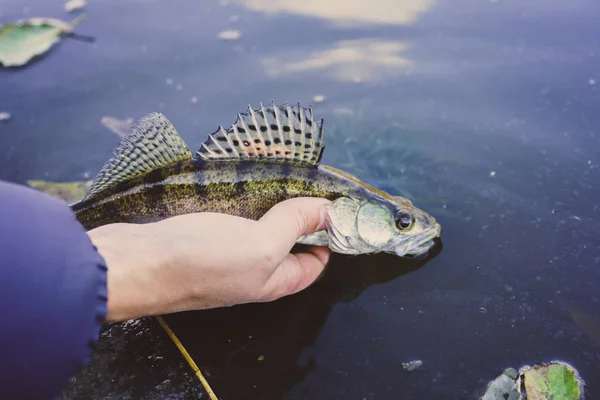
(229, 35)
(555, 380)
(69, 192)
(412, 365)
(319, 98)
(23, 40)
(73, 5)
(121, 127)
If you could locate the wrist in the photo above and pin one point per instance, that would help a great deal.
(137, 275)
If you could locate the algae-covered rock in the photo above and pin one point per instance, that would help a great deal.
(551, 381)
(554, 380)
(69, 192)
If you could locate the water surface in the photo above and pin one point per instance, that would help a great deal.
(482, 112)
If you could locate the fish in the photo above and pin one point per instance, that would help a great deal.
(267, 156)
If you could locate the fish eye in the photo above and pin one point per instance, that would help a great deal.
(404, 220)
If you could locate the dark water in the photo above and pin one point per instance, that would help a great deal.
(485, 113)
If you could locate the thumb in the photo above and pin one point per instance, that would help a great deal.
(287, 221)
(284, 224)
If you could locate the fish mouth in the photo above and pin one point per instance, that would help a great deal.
(423, 242)
(406, 250)
(421, 249)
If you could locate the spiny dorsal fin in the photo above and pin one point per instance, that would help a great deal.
(270, 133)
(152, 143)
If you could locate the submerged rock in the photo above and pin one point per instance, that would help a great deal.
(504, 387)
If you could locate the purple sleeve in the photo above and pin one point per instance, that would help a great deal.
(52, 294)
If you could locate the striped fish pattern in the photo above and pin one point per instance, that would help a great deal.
(266, 156)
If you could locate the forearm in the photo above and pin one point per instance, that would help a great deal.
(52, 293)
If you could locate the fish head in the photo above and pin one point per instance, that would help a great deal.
(392, 225)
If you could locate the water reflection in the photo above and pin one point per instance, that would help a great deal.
(367, 59)
(227, 343)
(347, 61)
(349, 13)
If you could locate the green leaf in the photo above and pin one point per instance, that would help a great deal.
(261, 357)
(23, 40)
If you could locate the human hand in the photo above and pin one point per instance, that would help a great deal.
(207, 260)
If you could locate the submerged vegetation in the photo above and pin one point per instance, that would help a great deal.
(69, 192)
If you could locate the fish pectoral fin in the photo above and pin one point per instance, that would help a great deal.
(152, 143)
(320, 238)
(273, 133)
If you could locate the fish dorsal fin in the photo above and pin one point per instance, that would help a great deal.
(270, 133)
(152, 143)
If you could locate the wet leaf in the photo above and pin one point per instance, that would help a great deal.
(23, 40)
(69, 192)
(121, 127)
(319, 98)
(412, 365)
(73, 5)
(555, 380)
(229, 35)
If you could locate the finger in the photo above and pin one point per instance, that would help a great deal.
(297, 272)
(292, 218)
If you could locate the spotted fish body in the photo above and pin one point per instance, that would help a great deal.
(267, 156)
(245, 189)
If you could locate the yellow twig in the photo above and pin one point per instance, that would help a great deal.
(187, 357)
